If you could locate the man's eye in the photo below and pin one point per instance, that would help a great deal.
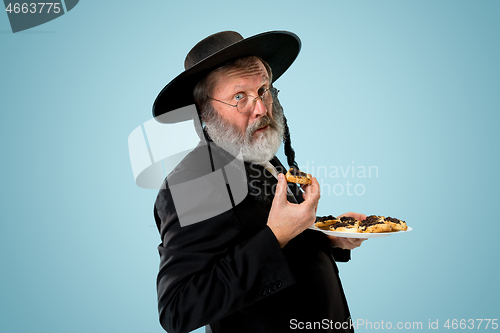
(262, 91)
(239, 97)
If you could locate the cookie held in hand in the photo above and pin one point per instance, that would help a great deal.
(296, 176)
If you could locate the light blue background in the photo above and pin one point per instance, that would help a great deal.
(411, 87)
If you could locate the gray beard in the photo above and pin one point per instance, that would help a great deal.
(258, 148)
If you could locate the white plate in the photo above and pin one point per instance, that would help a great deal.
(359, 234)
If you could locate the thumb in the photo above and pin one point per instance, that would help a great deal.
(280, 193)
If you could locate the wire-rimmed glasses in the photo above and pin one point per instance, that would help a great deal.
(246, 103)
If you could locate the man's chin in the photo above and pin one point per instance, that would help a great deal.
(262, 148)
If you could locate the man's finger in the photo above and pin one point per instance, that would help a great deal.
(345, 244)
(280, 193)
(356, 241)
(312, 192)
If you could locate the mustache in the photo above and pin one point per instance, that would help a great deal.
(262, 122)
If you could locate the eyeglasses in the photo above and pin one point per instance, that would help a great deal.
(246, 103)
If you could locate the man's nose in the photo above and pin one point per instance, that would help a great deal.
(259, 108)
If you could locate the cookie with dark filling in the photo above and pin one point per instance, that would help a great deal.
(346, 224)
(374, 224)
(324, 222)
(396, 224)
(296, 176)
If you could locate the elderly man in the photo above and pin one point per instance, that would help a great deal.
(254, 267)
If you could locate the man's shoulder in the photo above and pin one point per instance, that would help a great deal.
(201, 161)
(194, 165)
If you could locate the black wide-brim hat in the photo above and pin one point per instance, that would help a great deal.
(278, 48)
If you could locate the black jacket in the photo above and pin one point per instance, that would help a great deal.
(229, 271)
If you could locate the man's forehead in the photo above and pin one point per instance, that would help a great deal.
(255, 69)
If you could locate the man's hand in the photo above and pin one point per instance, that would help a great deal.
(357, 216)
(348, 243)
(287, 220)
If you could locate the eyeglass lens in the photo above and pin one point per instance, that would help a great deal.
(248, 102)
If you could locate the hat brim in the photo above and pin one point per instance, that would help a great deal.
(278, 48)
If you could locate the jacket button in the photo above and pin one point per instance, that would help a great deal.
(262, 292)
(278, 284)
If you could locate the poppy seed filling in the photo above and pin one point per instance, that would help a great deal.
(297, 173)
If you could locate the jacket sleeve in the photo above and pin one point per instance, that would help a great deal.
(207, 271)
(341, 255)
